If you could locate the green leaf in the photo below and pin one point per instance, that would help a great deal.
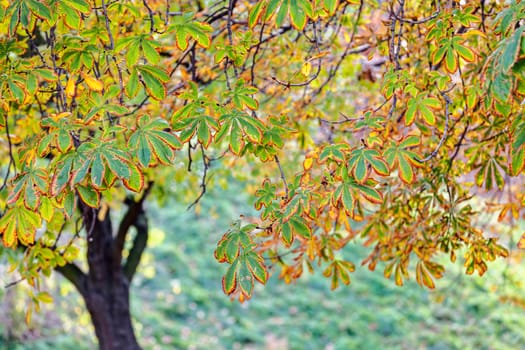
(31, 197)
(265, 194)
(451, 64)
(286, 233)
(343, 194)
(410, 141)
(501, 86)
(62, 176)
(132, 57)
(16, 91)
(204, 134)
(80, 170)
(256, 266)
(89, 196)
(379, 166)
(150, 139)
(439, 54)
(511, 51)
(229, 281)
(72, 18)
(117, 165)
(185, 29)
(271, 7)
(135, 182)
(464, 52)
(422, 105)
(152, 83)
(143, 150)
(157, 72)
(162, 151)
(281, 14)
(39, 9)
(64, 141)
(410, 115)
(79, 5)
(98, 171)
(150, 52)
(236, 141)
(300, 227)
(333, 152)
(297, 14)
(360, 170)
(239, 125)
(255, 14)
(132, 86)
(406, 173)
(330, 6)
(245, 281)
(371, 194)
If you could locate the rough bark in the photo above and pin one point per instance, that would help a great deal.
(105, 287)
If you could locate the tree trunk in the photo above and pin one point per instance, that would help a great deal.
(105, 287)
(108, 306)
(106, 290)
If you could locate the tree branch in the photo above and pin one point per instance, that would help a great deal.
(131, 218)
(74, 275)
(139, 244)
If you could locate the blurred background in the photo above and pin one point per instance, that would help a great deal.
(177, 301)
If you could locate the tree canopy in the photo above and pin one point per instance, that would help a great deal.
(383, 122)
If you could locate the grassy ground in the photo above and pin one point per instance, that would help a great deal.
(178, 303)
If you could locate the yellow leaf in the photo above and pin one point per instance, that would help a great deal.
(474, 32)
(308, 163)
(92, 83)
(45, 297)
(346, 36)
(70, 87)
(5, 106)
(28, 316)
(60, 115)
(306, 69)
(319, 55)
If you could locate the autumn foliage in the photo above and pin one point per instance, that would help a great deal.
(388, 123)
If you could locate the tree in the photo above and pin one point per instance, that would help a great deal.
(379, 120)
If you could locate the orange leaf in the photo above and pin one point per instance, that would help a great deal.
(92, 83)
(521, 242)
(71, 87)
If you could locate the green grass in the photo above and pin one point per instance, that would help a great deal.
(178, 302)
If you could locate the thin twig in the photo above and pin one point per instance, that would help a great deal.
(11, 157)
(423, 20)
(348, 51)
(108, 28)
(206, 164)
(231, 6)
(14, 283)
(315, 75)
(254, 57)
(458, 146)
(61, 94)
(151, 17)
(283, 177)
